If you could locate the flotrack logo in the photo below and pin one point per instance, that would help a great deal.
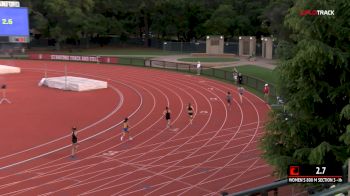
(317, 12)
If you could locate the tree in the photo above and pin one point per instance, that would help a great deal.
(316, 81)
(102, 20)
(140, 16)
(273, 17)
(181, 19)
(167, 19)
(222, 21)
(164, 24)
(238, 17)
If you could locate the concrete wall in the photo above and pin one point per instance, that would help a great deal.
(247, 45)
(215, 44)
(266, 44)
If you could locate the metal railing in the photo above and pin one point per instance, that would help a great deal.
(131, 61)
(263, 190)
(248, 81)
(252, 82)
(343, 188)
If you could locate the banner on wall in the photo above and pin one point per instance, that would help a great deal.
(77, 58)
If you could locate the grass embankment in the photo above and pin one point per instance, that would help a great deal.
(268, 75)
(208, 59)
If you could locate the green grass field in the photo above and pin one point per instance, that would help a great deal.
(268, 75)
(208, 59)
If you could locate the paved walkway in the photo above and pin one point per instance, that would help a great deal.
(266, 63)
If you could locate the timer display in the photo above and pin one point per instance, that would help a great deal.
(6, 21)
(14, 22)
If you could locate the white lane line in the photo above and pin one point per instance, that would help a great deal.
(82, 129)
(191, 137)
(195, 90)
(223, 147)
(149, 114)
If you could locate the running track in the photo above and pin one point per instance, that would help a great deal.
(218, 152)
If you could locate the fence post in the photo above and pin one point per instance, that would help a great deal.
(181, 47)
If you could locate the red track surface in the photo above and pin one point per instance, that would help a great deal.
(217, 152)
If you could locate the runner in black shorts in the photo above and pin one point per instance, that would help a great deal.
(229, 99)
(190, 112)
(167, 113)
(74, 141)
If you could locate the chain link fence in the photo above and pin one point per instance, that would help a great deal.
(12, 49)
(231, 46)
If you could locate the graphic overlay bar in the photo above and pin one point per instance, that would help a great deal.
(10, 4)
(314, 174)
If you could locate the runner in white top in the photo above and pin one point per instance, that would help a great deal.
(240, 93)
(199, 68)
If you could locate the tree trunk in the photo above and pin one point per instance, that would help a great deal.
(145, 18)
(87, 41)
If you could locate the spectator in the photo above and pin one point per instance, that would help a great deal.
(199, 68)
(240, 78)
(235, 75)
(266, 92)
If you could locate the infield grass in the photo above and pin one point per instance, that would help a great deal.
(268, 75)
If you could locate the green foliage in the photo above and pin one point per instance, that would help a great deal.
(345, 113)
(285, 50)
(39, 21)
(273, 17)
(222, 21)
(176, 19)
(318, 153)
(315, 80)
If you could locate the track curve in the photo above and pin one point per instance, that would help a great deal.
(218, 152)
